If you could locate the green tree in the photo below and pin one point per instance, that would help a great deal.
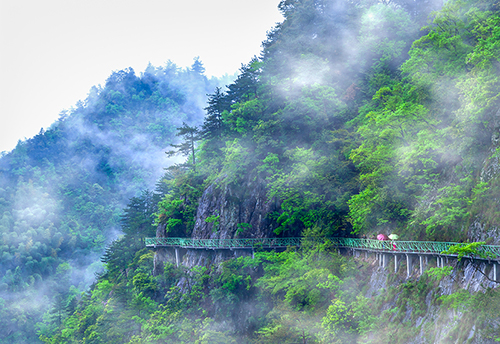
(191, 135)
(213, 124)
(197, 66)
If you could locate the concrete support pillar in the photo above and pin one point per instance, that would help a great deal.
(384, 260)
(426, 260)
(421, 261)
(177, 256)
(495, 275)
(366, 254)
(442, 262)
(409, 267)
(395, 263)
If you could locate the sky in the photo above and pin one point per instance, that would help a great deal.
(53, 51)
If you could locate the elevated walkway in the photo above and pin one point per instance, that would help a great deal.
(383, 249)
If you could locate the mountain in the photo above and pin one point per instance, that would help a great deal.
(358, 118)
(63, 191)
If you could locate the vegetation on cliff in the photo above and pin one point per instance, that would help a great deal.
(359, 117)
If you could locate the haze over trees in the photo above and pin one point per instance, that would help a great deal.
(358, 118)
(63, 191)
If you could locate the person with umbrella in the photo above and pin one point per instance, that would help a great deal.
(382, 237)
(393, 237)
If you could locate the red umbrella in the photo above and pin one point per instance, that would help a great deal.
(382, 237)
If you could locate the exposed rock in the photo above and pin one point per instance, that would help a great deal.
(246, 203)
(478, 231)
(162, 254)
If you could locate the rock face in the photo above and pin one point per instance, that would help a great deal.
(479, 230)
(246, 205)
(435, 325)
(232, 211)
(161, 254)
(242, 213)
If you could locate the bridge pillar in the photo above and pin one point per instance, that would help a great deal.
(421, 261)
(442, 262)
(495, 271)
(177, 256)
(384, 260)
(395, 263)
(366, 254)
(409, 267)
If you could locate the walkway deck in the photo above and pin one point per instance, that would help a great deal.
(394, 247)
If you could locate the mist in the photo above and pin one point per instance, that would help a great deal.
(64, 190)
(358, 118)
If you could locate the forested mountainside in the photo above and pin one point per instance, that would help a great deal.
(358, 118)
(62, 192)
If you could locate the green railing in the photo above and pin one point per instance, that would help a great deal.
(222, 243)
(423, 247)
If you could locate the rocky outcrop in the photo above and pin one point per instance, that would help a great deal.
(225, 211)
(480, 228)
(242, 211)
(161, 254)
(436, 324)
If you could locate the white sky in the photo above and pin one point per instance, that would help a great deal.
(53, 51)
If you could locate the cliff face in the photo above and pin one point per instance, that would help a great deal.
(421, 315)
(242, 211)
(485, 226)
(232, 211)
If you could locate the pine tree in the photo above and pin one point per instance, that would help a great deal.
(191, 135)
(197, 66)
(245, 86)
(213, 125)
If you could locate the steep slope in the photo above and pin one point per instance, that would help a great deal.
(62, 192)
(354, 121)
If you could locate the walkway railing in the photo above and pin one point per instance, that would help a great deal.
(421, 247)
(223, 243)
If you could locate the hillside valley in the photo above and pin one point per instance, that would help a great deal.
(358, 118)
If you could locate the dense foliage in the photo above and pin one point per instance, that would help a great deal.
(62, 192)
(359, 117)
(359, 120)
(311, 295)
